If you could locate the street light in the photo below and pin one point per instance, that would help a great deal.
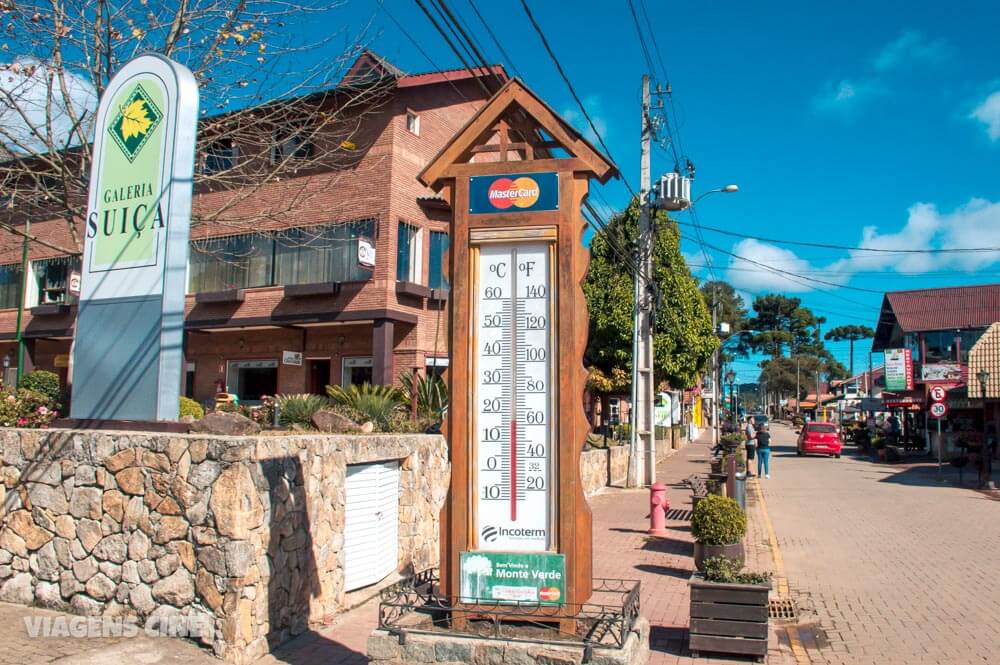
(725, 189)
(986, 468)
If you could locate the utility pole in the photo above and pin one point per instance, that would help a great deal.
(715, 373)
(642, 459)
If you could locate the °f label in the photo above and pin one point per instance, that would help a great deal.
(513, 436)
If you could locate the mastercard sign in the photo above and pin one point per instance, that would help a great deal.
(516, 192)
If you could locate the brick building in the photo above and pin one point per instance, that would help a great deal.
(285, 306)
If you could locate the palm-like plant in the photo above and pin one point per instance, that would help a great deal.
(432, 394)
(298, 409)
(376, 403)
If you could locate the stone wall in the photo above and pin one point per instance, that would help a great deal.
(243, 535)
(603, 467)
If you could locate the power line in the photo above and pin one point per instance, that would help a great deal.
(454, 49)
(419, 48)
(473, 44)
(572, 90)
(489, 30)
(803, 243)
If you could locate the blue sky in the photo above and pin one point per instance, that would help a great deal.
(872, 124)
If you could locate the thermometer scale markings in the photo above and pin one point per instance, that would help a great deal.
(513, 453)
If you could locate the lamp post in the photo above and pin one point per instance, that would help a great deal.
(6, 366)
(986, 451)
(726, 189)
(730, 378)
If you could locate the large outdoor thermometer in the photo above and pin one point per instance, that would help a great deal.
(514, 455)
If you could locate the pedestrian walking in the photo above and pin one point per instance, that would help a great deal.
(763, 452)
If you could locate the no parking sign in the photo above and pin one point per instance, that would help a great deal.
(938, 393)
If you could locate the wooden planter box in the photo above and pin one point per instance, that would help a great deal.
(728, 618)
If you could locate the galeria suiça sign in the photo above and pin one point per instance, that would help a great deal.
(136, 246)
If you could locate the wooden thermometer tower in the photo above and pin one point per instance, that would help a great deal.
(516, 528)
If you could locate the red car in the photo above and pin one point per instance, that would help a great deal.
(821, 438)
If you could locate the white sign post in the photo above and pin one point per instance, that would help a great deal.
(128, 353)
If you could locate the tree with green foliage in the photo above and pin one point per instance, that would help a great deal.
(852, 334)
(683, 340)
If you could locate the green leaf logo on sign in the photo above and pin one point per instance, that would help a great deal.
(136, 120)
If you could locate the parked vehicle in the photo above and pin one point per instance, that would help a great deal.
(820, 438)
(760, 419)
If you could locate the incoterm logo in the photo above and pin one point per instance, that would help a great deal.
(521, 192)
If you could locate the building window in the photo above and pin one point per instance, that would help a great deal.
(409, 251)
(413, 123)
(10, 285)
(435, 269)
(290, 146)
(235, 262)
(435, 366)
(320, 254)
(52, 278)
(315, 254)
(252, 379)
(220, 156)
(356, 371)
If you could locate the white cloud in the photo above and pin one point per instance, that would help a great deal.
(845, 96)
(988, 113)
(911, 47)
(25, 94)
(975, 224)
(576, 118)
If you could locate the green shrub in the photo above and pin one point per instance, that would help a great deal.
(375, 403)
(43, 382)
(718, 520)
(298, 409)
(26, 408)
(727, 571)
(189, 407)
(432, 394)
(732, 440)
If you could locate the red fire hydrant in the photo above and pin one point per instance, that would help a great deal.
(658, 507)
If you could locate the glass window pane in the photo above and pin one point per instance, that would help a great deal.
(435, 271)
(320, 254)
(403, 252)
(10, 286)
(52, 278)
(236, 262)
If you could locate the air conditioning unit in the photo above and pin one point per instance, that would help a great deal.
(674, 192)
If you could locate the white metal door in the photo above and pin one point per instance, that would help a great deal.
(371, 523)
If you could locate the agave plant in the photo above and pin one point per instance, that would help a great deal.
(432, 394)
(298, 409)
(376, 403)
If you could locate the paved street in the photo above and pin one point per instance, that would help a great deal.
(895, 566)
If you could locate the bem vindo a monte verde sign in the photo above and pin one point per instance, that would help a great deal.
(127, 359)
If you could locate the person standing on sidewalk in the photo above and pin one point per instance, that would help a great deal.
(763, 452)
(750, 442)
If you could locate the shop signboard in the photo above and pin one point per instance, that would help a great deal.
(951, 372)
(898, 369)
(293, 358)
(128, 355)
(514, 192)
(513, 577)
(366, 253)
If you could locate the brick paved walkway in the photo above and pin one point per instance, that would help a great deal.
(891, 564)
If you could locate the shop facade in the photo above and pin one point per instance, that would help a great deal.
(348, 291)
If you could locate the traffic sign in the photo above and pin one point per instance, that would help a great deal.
(939, 409)
(938, 393)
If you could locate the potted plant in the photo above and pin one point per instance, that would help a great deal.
(729, 609)
(718, 527)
